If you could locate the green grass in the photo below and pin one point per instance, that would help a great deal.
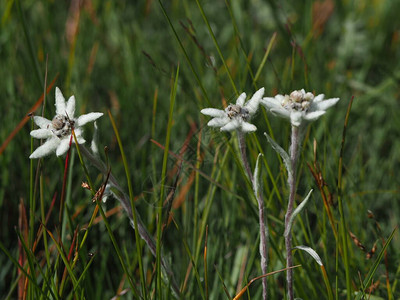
(124, 56)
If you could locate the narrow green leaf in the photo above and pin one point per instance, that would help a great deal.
(343, 226)
(108, 227)
(163, 175)
(311, 252)
(296, 212)
(199, 82)
(256, 180)
(316, 257)
(368, 279)
(29, 42)
(281, 152)
(241, 44)
(28, 275)
(264, 60)
(217, 47)
(65, 260)
(132, 203)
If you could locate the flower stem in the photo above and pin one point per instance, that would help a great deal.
(260, 201)
(263, 243)
(243, 155)
(294, 149)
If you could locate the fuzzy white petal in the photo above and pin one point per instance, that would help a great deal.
(81, 140)
(232, 125)
(312, 116)
(41, 122)
(252, 104)
(280, 98)
(247, 127)
(324, 105)
(95, 140)
(90, 117)
(213, 112)
(270, 103)
(218, 122)
(78, 134)
(281, 112)
(295, 118)
(41, 133)
(70, 110)
(63, 147)
(319, 98)
(241, 99)
(48, 147)
(60, 102)
(258, 95)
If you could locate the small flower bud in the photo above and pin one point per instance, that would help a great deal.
(296, 96)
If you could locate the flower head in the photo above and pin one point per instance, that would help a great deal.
(58, 130)
(235, 116)
(299, 106)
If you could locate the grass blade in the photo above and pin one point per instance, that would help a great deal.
(131, 198)
(199, 82)
(31, 51)
(368, 279)
(228, 72)
(163, 174)
(110, 233)
(343, 226)
(264, 60)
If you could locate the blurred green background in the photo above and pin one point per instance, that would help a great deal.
(121, 55)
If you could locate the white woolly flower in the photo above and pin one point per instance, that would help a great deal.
(58, 131)
(299, 106)
(235, 116)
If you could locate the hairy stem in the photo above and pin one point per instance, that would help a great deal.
(243, 155)
(263, 242)
(294, 149)
(260, 201)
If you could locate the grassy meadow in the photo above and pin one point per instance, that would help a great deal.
(150, 66)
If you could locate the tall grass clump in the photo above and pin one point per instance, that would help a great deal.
(164, 173)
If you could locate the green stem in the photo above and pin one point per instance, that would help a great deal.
(343, 230)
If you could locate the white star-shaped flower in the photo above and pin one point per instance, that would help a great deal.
(57, 132)
(235, 116)
(299, 106)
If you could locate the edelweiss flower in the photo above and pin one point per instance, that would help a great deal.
(58, 131)
(235, 116)
(298, 106)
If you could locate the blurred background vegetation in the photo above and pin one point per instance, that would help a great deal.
(122, 56)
